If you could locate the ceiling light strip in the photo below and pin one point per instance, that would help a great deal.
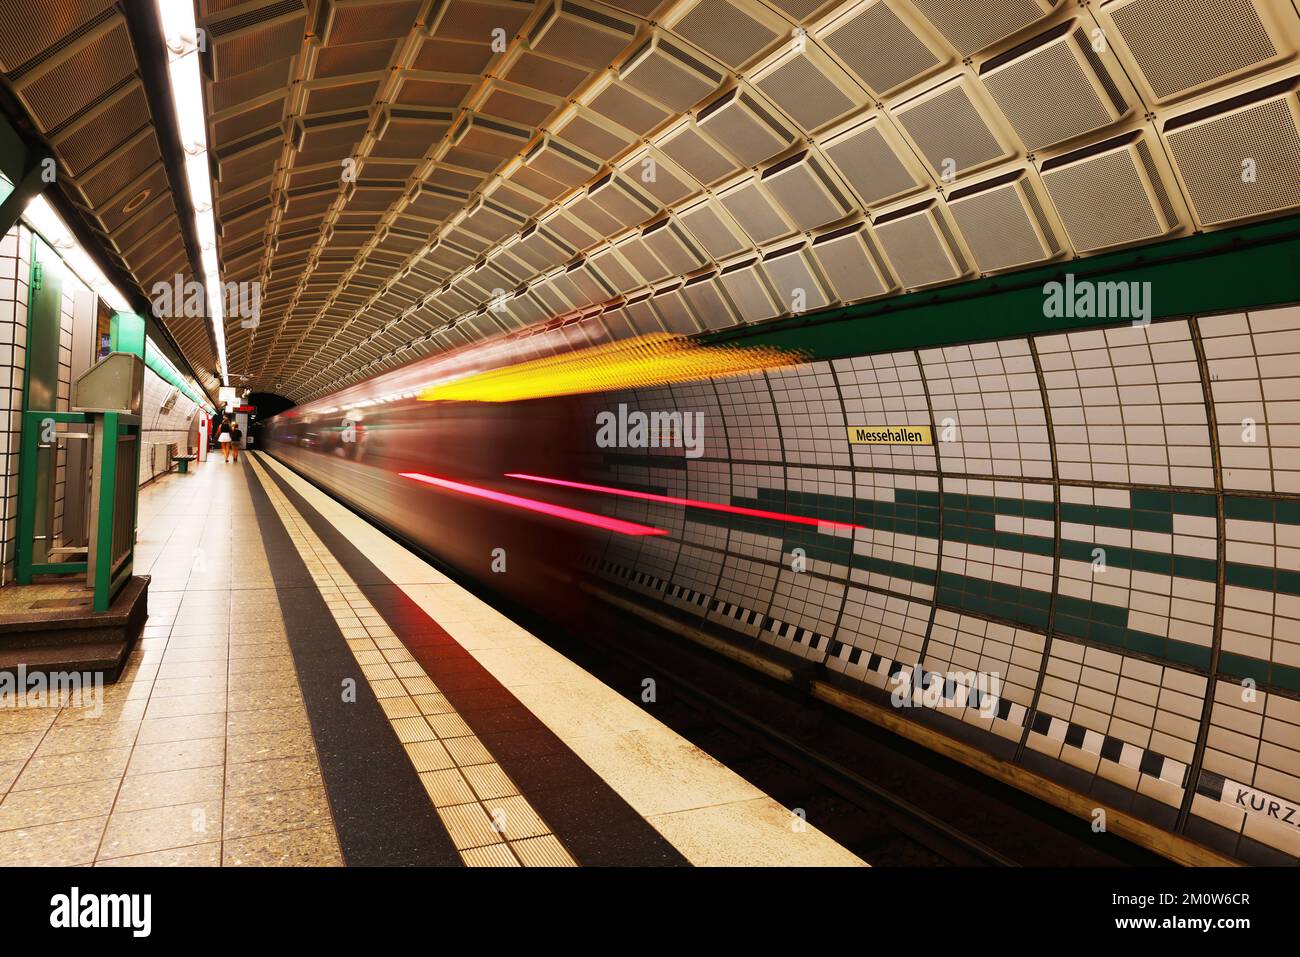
(42, 217)
(181, 39)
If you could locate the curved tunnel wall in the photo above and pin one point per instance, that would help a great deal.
(175, 426)
(1108, 520)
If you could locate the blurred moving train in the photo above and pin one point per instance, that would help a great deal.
(504, 491)
(363, 452)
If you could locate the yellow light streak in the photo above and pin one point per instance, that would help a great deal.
(629, 364)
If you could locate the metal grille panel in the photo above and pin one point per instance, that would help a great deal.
(1183, 44)
(882, 50)
(972, 25)
(1103, 202)
(807, 94)
(917, 251)
(1210, 156)
(725, 31)
(947, 126)
(997, 227)
(1052, 74)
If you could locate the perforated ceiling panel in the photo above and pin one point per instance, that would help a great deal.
(1003, 223)
(877, 44)
(971, 25)
(1110, 195)
(1181, 46)
(1239, 160)
(1061, 65)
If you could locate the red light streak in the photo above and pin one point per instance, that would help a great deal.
(688, 502)
(533, 505)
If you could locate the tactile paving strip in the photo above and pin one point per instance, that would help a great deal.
(441, 746)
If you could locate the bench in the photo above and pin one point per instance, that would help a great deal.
(183, 462)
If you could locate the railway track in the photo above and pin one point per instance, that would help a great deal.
(875, 823)
(890, 801)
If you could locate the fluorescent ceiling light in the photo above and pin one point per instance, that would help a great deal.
(207, 234)
(196, 174)
(187, 94)
(181, 39)
(40, 216)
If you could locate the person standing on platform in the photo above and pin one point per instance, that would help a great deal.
(236, 439)
(217, 425)
(224, 438)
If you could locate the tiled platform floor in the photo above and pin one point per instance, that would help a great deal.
(201, 753)
(45, 596)
(536, 710)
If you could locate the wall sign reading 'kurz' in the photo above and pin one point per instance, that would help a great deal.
(1245, 798)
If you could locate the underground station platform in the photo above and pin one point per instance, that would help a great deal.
(457, 737)
(740, 435)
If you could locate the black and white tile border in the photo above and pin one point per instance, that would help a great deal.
(1107, 747)
(796, 635)
(1110, 749)
(689, 596)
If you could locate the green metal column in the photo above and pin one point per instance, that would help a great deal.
(117, 487)
(44, 324)
(127, 333)
(40, 393)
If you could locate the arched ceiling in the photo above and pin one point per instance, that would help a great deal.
(405, 177)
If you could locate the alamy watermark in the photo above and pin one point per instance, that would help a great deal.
(54, 689)
(956, 689)
(182, 298)
(75, 909)
(1084, 299)
(659, 429)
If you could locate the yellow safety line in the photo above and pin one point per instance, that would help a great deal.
(490, 822)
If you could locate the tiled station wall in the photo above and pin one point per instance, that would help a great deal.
(177, 426)
(1159, 674)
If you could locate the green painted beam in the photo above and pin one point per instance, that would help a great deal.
(22, 169)
(156, 360)
(30, 185)
(1249, 267)
(14, 152)
(22, 164)
(156, 334)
